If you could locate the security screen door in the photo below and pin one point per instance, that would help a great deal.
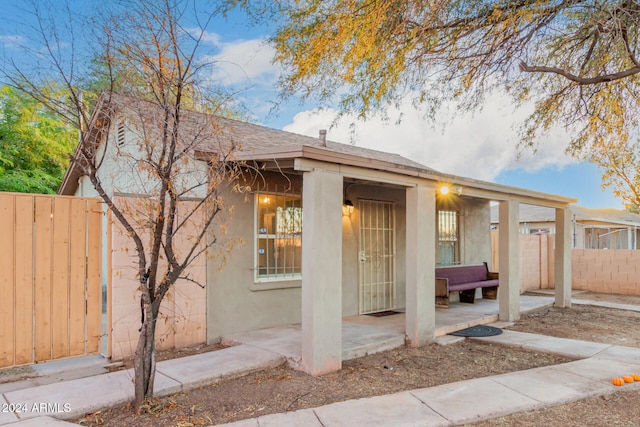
(376, 256)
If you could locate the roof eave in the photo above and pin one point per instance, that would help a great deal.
(73, 173)
(474, 187)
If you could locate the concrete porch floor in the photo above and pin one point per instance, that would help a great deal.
(362, 335)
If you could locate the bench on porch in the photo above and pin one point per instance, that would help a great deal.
(465, 279)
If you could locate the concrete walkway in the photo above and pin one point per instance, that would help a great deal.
(448, 404)
(482, 398)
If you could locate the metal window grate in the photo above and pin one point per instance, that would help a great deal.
(278, 235)
(448, 239)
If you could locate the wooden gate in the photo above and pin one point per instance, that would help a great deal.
(50, 277)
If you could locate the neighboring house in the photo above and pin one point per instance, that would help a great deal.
(334, 230)
(590, 228)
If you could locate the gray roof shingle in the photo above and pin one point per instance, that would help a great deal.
(252, 140)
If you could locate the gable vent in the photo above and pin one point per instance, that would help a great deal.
(121, 134)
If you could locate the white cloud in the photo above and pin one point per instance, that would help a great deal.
(205, 36)
(12, 41)
(244, 62)
(478, 146)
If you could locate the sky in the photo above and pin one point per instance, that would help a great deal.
(480, 146)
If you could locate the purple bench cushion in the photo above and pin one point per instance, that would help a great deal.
(472, 285)
(463, 274)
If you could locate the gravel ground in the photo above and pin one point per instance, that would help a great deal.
(282, 389)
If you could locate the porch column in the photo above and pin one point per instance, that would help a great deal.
(562, 259)
(420, 275)
(509, 255)
(321, 272)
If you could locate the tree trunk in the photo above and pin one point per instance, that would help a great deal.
(145, 361)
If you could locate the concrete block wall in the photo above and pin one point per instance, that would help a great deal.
(530, 258)
(536, 260)
(182, 319)
(612, 271)
(606, 271)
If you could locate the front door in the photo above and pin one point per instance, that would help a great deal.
(376, 255)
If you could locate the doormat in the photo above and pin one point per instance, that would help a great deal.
(383, 313)
(478, 331)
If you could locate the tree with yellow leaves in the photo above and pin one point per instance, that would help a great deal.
(577, 61)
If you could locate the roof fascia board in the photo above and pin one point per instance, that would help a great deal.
(325, 155)
(268, 155)
(480, 189)
(390, 176)
(306, 157)
(520, 196)
(355, 172)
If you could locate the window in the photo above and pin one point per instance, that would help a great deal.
(448, 246)
(278, 236)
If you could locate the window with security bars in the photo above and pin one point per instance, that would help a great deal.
(448, 239)
(278, 236)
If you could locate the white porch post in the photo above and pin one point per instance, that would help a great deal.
(509, 255)
(321, 272)
(563, 258)
(420, 275)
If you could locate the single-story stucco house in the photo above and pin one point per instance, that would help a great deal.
(590, 228)
(335, 230)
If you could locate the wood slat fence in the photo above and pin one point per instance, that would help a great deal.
(50, 277)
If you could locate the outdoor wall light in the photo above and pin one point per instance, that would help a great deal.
(347, 208)
(456, 189)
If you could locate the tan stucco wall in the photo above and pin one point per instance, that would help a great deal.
(475, 228)
(183, 310)
(475, 224)
(120, 171)
(236, 302)
(85, 188)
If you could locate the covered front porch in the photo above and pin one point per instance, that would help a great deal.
(327, 284)
(365, 334)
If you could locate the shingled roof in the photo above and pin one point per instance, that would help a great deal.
(209, 135)
(257, 142)
(254, 142)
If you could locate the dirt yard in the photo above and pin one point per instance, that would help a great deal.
(281, 389)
